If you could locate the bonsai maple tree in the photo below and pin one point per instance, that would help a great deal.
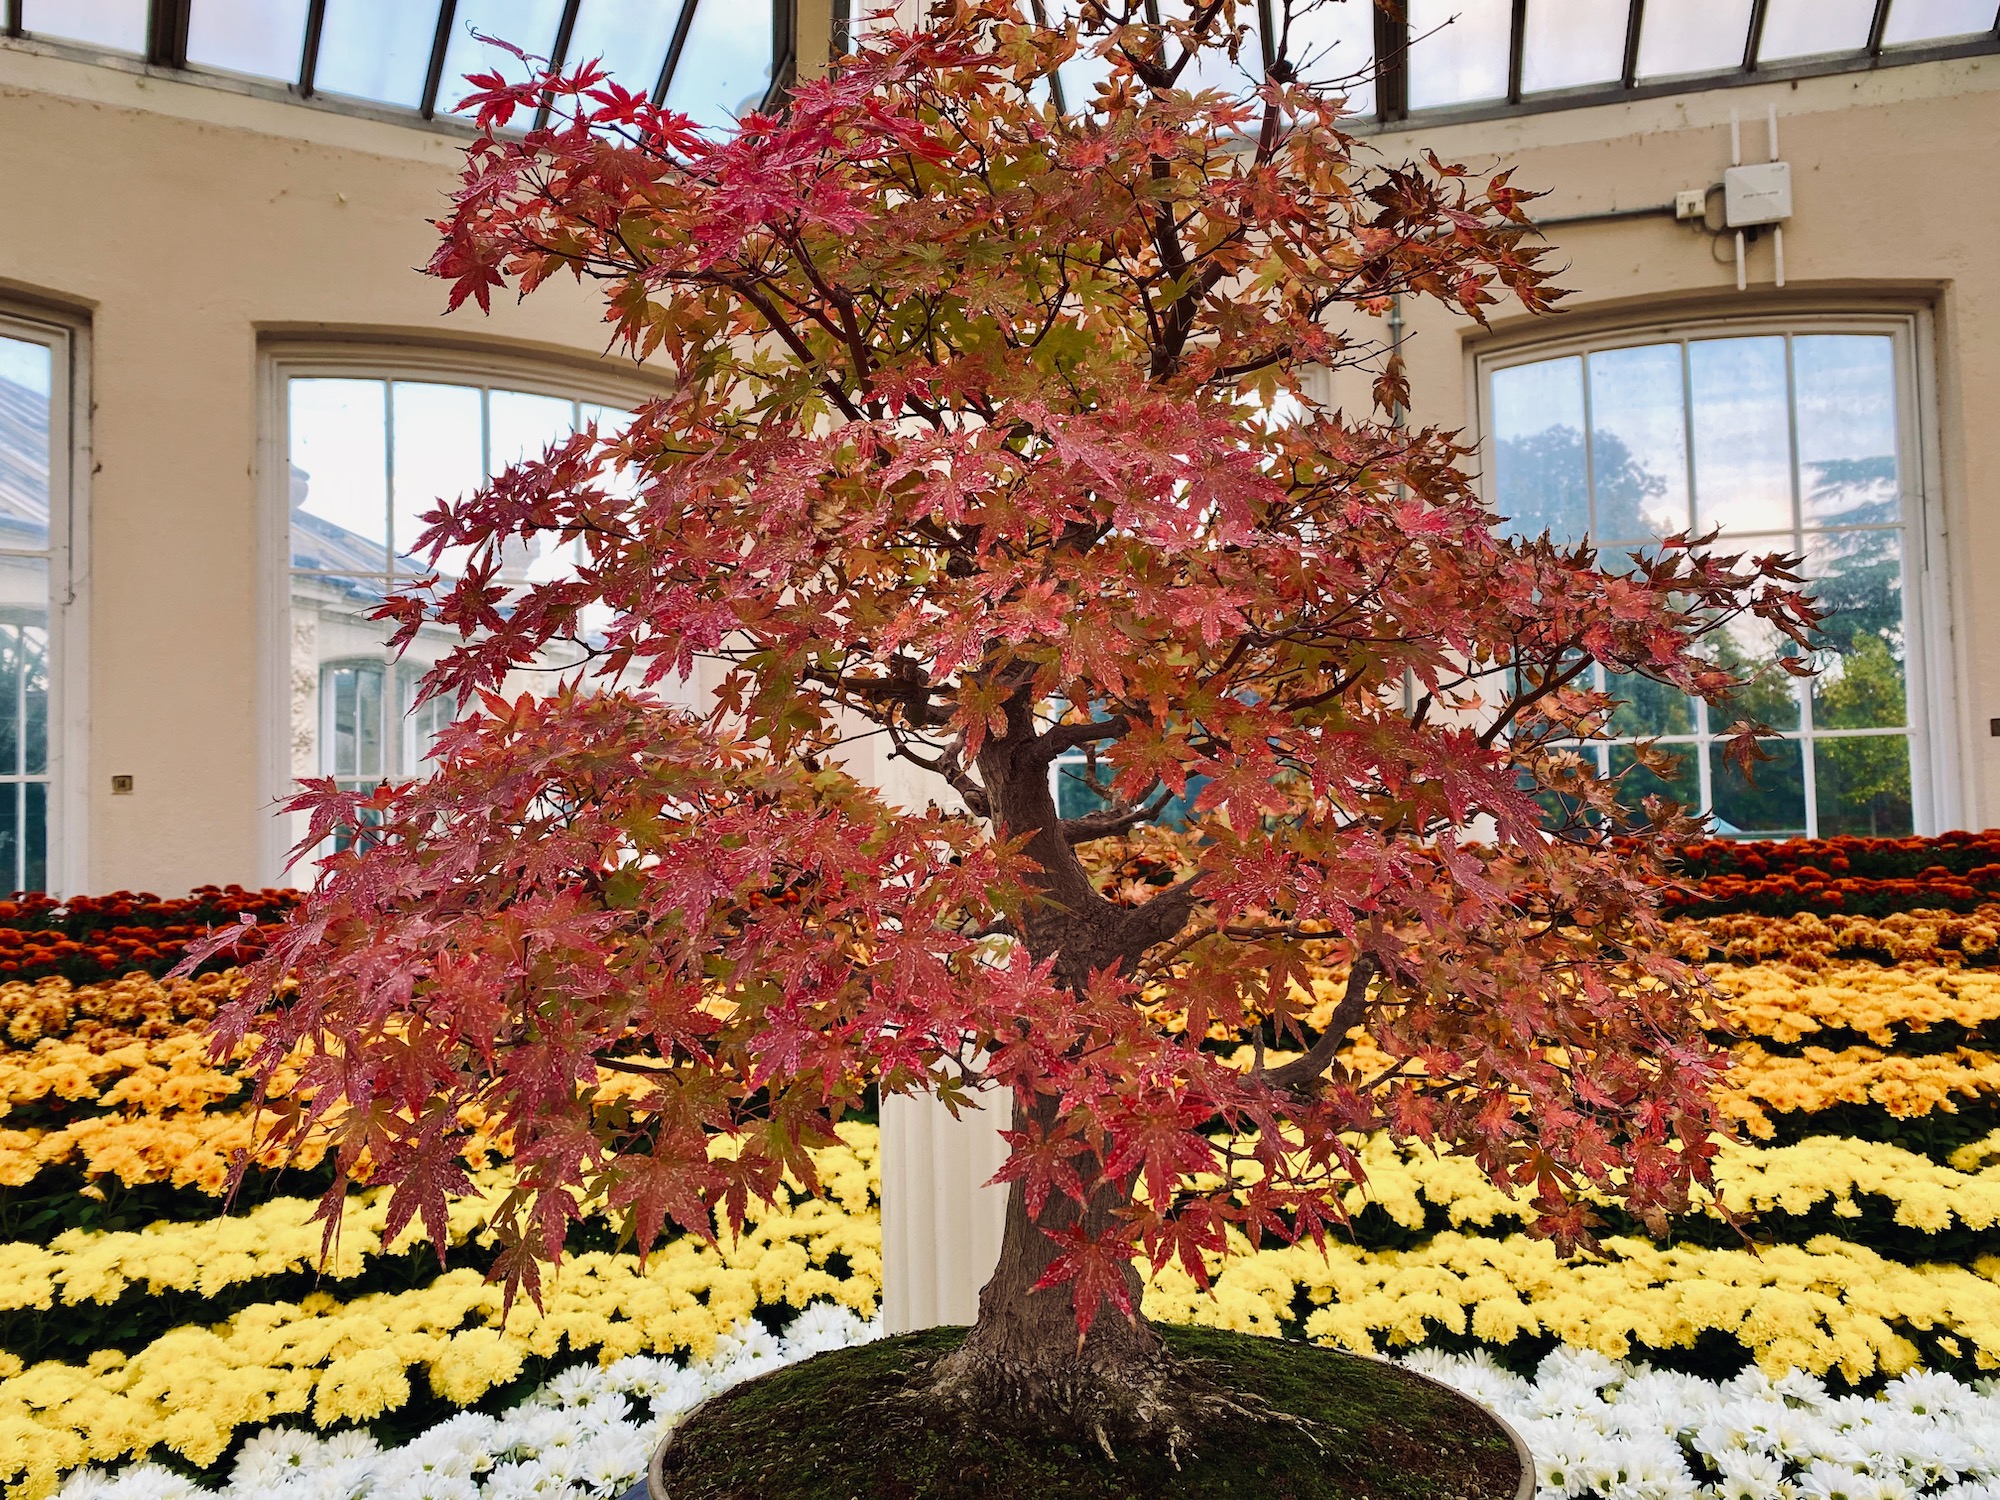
(990, 437)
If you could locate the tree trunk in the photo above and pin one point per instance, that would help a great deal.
(1023, 1364)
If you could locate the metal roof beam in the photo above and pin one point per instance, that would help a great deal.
(1635, 19)
(434, 74)
(558, 55)
(309, 59)
(167, 33)
(674, 49)
(1392, 62)
(1517, 45)
(1753, 39)
(1877, 26)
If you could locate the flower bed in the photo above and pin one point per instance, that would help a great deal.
(135, 1324)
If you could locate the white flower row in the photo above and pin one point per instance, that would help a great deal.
(574, 1439)
(1611, 1431)
(1599, 1430)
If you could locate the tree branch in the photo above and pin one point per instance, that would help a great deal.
(1301, 1075)
(1113, 820)
(1044, 749)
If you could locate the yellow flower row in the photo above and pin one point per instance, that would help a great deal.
(1817, 1307)
(210, 1255)
(1788, 1004)
(136, 1005)
(336, 1362)
(1761, 1084)
(1929, 1198)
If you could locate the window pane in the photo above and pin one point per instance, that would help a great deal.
(1768, 803)
(26, 379)
(1935, 20)
(1742, 438)
(725, 68)
(1813, 28)
(377, 49)
(1213, 68)
(1862, 785)
(1334, 43)
(1539, 479)
(35, 837)
(630, 36)
(524, 425)
(264, 37)
(528, 24)
(1847, 429)
(340, 486)
(1569, 43)
(1458, 51)
(1638, 419)
(10, 836)
(119, 24)
(35, 696)
(1753, 651)
(24, 666)
(1857, 577)
(1693, 36)
(1650, 708)
(1682, 785)
(437, 457)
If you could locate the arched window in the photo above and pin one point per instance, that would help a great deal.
(365, 453)
(1801, 437)
(41, 806)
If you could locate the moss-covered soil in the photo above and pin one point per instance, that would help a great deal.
(842, 1427)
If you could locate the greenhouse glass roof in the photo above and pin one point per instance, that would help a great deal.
(715, 58)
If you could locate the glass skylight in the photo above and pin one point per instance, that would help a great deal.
(265, 38)
(1334, 43)
(120, 24)
(631, 36)
(528, 24)
(1937, 20)
(1814, 28)
(724, 69)
(1458, 51)
(715, 59)
(1572, 43)
(376, 49)
(1693, 36)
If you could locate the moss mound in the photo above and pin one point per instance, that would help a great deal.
(834, 1428)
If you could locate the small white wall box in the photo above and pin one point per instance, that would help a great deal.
(1760, 194)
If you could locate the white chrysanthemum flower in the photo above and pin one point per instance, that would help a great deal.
(432, 1486)
(1748, 1476)
(822, 1327)
(140, 1482)
(272, 1456)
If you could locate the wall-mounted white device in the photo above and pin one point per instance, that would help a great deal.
(1756, 195)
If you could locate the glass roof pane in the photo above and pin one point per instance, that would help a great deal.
(1458, 51)
(1935, 20)
(1814, 28)
(1212, 67)
(630, 36)
(263, 37)
(1570, 43)
(1086, 69)
(376, 49)
(1333, 43)
(109, 23)
(725, 67)
(1693, 36)
(528, 24)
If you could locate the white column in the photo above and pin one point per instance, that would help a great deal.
(940, 1227)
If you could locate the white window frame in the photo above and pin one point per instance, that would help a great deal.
(70, 465)
(583, 379)
(1936, 789)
